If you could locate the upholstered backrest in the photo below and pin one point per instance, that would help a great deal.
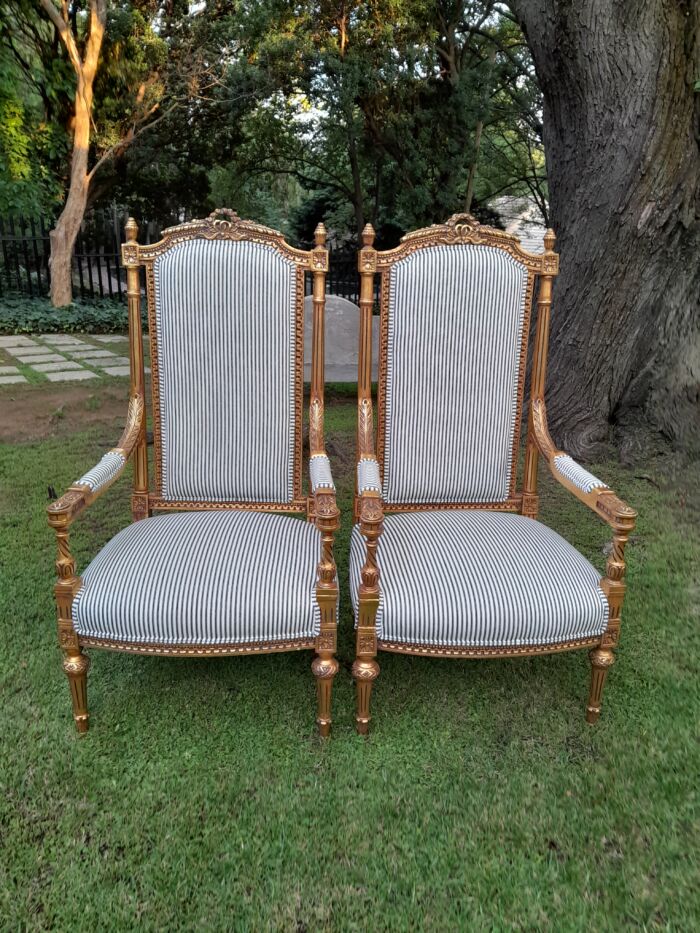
(454, 330)
(225, 330)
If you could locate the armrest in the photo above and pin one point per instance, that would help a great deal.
(590, 490)
(320, 473)
(85, 490)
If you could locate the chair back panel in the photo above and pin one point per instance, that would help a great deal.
(455, 339)
(225, 335)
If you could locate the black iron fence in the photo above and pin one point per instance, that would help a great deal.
(97, 271)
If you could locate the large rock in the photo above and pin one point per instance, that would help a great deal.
(342, 339)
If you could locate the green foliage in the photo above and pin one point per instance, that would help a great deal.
(202, 798)
(20, 315)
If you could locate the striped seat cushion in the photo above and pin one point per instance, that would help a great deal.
(225, 340)
(455, 322)
(505, 580)
(203, 578)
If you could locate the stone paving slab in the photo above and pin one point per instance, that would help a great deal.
(101, 362)
(55, 367)
(28, 351)
(8, 370)
(109, 338)
(16, 340)
(43, 358)
(89, 351)
(73, 374)
(9, 380)
(118, 371)
(70, 345)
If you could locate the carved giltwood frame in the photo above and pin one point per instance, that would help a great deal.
(320, 507)
(369, 509)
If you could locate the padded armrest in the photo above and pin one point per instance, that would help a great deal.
(368, 479)
(320, 473)
(576, 474)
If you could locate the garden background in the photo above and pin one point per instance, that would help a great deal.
(202, 796)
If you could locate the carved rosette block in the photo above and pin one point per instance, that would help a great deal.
(602, 660)
(139, 506)
(530, 506)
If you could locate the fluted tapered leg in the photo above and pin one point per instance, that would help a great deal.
(76, 667)
(602, 660)
(324, 670)
(365, 671)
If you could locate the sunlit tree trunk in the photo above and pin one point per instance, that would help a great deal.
(64, 235)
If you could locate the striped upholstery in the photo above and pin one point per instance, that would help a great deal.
(109, 466)
(455, 327)
(368, 476)
(575, 473)
(225, 336)
(320, 472)
(203, 578)
(509, 581)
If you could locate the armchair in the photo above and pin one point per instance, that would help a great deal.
(225, 568)
(454, 322)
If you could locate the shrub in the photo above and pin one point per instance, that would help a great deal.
(22, 315)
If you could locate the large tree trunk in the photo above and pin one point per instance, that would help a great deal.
(64, 234)
(622, 137)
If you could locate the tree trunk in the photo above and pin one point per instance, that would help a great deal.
(622, 137)
(64, 235)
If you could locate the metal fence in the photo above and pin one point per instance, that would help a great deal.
(97, 271)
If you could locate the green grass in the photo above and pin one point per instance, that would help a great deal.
(202, 797)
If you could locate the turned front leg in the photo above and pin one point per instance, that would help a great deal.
(75, 663)
(603, 657)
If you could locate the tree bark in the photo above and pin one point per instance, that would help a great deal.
(622, 138)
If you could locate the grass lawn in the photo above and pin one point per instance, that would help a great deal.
(202, 797)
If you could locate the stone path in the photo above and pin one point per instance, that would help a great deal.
(63, 357)
(72, 358)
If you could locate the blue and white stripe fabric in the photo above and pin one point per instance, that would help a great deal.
(225, 337)
(456, 328)
(203, 578)
(510, 581)
(368, 479)
(104, 472)
(576, 474)
(320, 472)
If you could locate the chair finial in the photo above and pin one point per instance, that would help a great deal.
(131, 229)
(320, 234)
(549, 240)
(368, 235)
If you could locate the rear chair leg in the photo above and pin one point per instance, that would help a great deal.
(324, 669)
(365, 671)
(76, 667)
(601, 660)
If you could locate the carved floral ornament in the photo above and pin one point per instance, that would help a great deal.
(464, 228)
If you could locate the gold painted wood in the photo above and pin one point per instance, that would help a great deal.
(369, 508)
(321, 507)
(368, 505)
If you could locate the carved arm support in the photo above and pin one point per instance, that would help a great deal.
(601, 500)
(85, 490)
(594, 493)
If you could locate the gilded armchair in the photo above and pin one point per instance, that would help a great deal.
(224, 568)
(447, 558)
